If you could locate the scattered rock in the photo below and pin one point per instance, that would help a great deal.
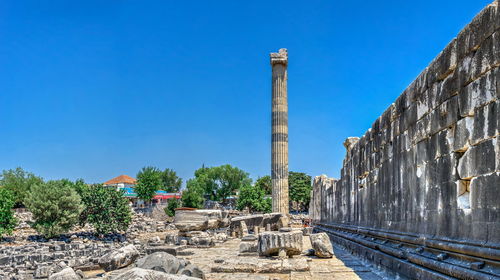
(322, 245)
(66, 274)
(146, 274)
(119, 258)
(160, 261)
(193, 271)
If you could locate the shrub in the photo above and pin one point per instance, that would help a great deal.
(105, 209)
(172, 204)
(7, 219)
(56, 207)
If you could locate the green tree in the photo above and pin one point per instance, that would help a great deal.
(254, 198)
(193, 195)
(56, 207)
(19, 182)
(222, 181)
(172, 203)
(265, 183)
(105, 209)
(148, 182)
(300, 186)
(7, 220)
(171, 182)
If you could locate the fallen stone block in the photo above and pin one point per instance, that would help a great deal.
(146, 274)
(65, 274)
(193, 220)
(119, 258)
(322, 245)
(271, 243)
(162, 262)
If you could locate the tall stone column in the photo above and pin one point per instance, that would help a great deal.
(279, 149)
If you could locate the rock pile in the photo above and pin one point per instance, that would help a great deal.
(122, 264)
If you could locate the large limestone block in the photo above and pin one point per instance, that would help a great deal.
(485, 191)
(477, 94)
(161, 261)
(260, 220)
(146, 274)
(322, 245)
(478, 160)
(271, 243)
(191, 220)
(65, 274)
(486, 122)
(119, 258)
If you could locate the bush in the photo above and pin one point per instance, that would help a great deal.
(7, 219)
(254, 198)
(105, 209)
(56, 207)
(172, 204)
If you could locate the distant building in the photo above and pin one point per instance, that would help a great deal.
(122, 181)
(127, 184)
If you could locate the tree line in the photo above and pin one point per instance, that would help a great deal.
(59, 205)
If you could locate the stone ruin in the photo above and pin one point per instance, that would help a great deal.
(419, 193)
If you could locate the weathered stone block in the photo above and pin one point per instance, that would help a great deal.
(271, 243)
(444, 115)
(463, 134)
(486, 122)
(322, 245)
(477, 94)
(444, 63)
(191, 220)
(485, 191)
(161, 261)
(65, 274)
(482, 26)
(478, 160)
(119, 258)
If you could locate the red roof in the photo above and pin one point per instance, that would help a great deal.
(122, 179)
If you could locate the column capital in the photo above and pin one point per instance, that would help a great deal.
(280, 57)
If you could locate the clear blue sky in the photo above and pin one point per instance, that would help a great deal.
(95, 89)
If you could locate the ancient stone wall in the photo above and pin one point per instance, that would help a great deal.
(429, 167)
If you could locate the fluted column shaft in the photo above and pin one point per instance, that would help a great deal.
(279, 149)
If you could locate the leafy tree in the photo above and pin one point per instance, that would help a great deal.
(254, 198)
(171, 182)
(172, 203)
(105, 208)
(300, 189)
(222, 181)
(7, 219)
(19, 183)
(56, 207)
(148, 182)
(193, 195)
(265, 183)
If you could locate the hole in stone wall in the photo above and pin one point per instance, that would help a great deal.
(463, 194)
